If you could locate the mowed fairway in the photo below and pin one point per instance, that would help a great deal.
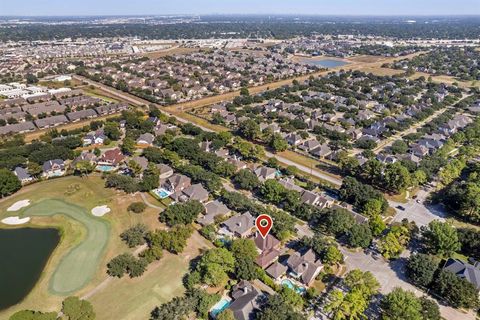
(65, 203)
(79, 265)
(133, 299)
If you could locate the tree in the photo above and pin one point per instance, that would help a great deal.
(276, 308)
(470, 242)
(421, 269)
(377, 225)
(84, 167)
(34, 169)
(135, 235)
(338, 221)
(278, 143)
(359, 235)
(31, 78)
(33, 315)
(441, 238)
(372, 207)
(397, 178)
(250, 129)
(362, 281)
(393, 243)
(181, 213)
(458, 292)
(293, 299)
(430, 309)
(120, 264)
(226, 314)
(128, 146)
(272, 191)
(75, 309)
(246, 179)
(332, 255)
(400, 305)
(9, 183)
(399, 147)
(176, 309)
(350, 305)
(215, 265)
(137, 207)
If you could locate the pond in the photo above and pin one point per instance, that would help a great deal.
(325, 63)
(24, 253)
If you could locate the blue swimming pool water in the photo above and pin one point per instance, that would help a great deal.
(219, 307)
(162, 193)
(105, 168)
(289, 284)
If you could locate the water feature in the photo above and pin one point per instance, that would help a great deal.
(24, 253)
(325, 63)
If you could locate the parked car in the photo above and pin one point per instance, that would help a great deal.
(401, 208)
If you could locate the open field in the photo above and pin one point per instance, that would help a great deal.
(169, 52)
(133, 299)
(85, 193)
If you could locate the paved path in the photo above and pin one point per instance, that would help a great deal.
(108, 280)
(144, 198)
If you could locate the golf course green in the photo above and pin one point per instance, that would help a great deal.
(78, 266)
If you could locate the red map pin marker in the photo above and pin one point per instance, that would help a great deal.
(264, 223)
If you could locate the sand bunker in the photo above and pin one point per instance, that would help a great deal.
(100, 211)
(19, 205)
(15, 220)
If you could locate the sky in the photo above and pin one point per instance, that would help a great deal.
(315, 7)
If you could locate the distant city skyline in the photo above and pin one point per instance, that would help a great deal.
(311, 7)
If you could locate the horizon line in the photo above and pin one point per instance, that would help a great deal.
(238, 14)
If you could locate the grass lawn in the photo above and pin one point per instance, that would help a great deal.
(82, 194)
(132, 299)
(401, 197)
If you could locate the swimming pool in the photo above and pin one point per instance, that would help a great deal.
(289, 284)
(105, 168)
(161, 193)
(219, 307)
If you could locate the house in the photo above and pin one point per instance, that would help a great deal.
(238, 226)
(239, 165)
(51, 121)
(267, 243)
(267, 257)
(141, 161)
(246, 301)
(94, 138)
(314, 199)
(213, 209)
(269, 249)
(305, 267)
(289, 184)
(419, 150)
(81, 115)
(85, 156)
(111, 158)
(309, 145)
(322, 151)
(146, 139)
(464, 270)
(176, 183)
(23, 175)
(53, 168)
(193, 192)
(294, 139)
(164, 171)
(276, 270)
(264, 173)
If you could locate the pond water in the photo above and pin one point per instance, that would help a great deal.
(326, 63)
(24, 253)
